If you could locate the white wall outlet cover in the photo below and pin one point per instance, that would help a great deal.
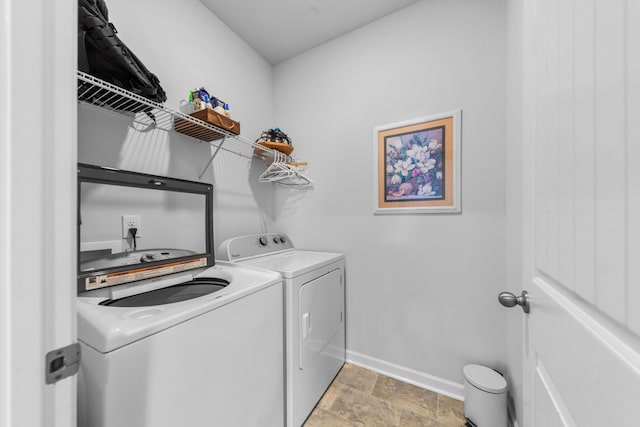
(131, 221)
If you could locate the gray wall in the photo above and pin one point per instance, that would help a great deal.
(421, 289)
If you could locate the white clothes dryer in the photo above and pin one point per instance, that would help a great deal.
(165, 353)
(314, 284)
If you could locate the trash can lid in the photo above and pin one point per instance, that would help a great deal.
(485, 378)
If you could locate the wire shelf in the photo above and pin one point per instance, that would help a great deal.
(147, 113)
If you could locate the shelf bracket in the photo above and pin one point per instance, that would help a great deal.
(213, 156)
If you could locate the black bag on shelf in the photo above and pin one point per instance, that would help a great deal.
(103, 55)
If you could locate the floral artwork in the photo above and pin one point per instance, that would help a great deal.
(418, 164)
(414, 166)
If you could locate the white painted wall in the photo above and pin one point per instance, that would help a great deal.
(421, 289)
(102, 207)
(186, 47)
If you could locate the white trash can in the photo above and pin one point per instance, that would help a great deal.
(485, 397)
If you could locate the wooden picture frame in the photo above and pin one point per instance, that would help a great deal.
(417, 163)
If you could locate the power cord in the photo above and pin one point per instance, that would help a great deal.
(133, 232)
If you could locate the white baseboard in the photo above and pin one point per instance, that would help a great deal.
(419, 379)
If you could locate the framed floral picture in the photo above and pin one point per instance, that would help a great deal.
(418, 165)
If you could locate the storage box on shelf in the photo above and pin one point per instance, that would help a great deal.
(279, 146)
(206, 134)
(219, 131)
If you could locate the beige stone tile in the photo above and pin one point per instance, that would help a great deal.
(450, 411)
(323, 418)
(409, 418)
(359, 378)
(360, 407)
(404, 395)
(362, 398)
(329, 396)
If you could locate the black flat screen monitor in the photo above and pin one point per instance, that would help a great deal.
(134, 226)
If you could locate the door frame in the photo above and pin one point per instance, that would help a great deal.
(38, 155)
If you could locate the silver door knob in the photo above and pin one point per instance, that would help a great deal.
(510, 300)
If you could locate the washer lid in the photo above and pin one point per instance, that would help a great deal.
(107, 328)
(485, 378)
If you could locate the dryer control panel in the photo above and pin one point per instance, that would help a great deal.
(253, 245)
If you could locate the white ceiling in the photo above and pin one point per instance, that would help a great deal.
(281, 29)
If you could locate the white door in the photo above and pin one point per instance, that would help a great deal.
(581, 216)
(37, 208)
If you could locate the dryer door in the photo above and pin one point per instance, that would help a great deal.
(320, 317)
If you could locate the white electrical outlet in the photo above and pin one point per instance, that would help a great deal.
(131, 221)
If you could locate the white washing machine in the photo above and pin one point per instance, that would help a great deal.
(169, 337)
(186, 349)
(314, 313)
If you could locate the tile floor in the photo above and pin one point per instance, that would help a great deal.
(359, 397)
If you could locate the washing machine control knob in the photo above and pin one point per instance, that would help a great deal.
(275, 240)
(263, 241)
(282, 239)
